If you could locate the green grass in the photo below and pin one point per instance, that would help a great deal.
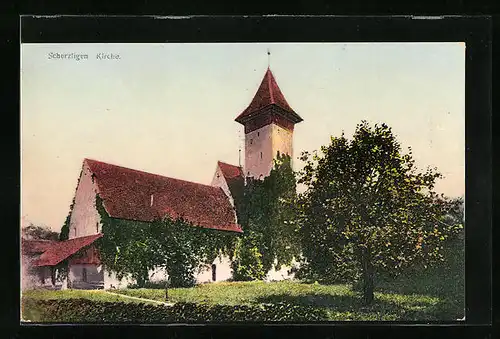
(426, 300)
(339, 301)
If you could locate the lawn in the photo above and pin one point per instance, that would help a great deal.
(335, 302)
(339, 302)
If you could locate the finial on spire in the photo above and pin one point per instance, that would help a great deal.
(268, 58)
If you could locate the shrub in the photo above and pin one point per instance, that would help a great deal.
(87, 311)
(247, 261)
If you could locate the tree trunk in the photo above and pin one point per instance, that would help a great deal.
(368, 277)
(166, 290)
(141, 281)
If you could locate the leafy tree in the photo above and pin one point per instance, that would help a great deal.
(64, 234)
(368, 210)
(247, 263)
(39, 232)
(268, 216)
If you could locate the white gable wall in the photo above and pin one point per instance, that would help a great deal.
(220, 181)
(85, 219)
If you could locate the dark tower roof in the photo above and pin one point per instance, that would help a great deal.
(268, 94)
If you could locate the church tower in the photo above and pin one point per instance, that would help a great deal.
(269, 122)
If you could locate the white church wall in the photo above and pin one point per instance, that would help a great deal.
(223, 271)
(85, 276)
(258, 152)
(85, 219)
(281, 273)
(261, 147)
(112, 282)
(282, 140)
(204, 275)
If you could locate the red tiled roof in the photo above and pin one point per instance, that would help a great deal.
(31, 247)
(87, 256)
(230, 171)
(141, 196)
(268, 94)
(61, 250)
(234, 178)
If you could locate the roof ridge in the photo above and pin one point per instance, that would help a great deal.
(226, 163)
(269, 85)
(268, 94)
(87, 236)
(149, 173)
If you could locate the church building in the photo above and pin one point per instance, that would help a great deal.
(130, 194)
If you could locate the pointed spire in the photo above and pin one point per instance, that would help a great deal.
(268, 94)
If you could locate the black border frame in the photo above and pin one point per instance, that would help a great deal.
(474, 30)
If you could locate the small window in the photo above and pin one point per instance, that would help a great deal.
(261, 155)
(214, 272)
(258, 133)
(74, 231)
(218, 175)
(97, 227)
(251, 141)
(84, 274)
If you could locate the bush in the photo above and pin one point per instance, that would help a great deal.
(87, 311)
(247, 262)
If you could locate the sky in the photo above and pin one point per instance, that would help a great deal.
(169, 109)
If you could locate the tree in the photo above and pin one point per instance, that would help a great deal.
(39, 232)
(247, 263)
(268, 216)
(368, 210)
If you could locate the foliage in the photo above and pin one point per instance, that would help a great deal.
(134, 248)
(84, 310)
(367, 210)
(331, 302)
(247, 262)
(35, 232)
(267, 215)
(64, 234)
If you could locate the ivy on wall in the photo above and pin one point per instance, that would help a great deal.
(267, 213)
(133, 248)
